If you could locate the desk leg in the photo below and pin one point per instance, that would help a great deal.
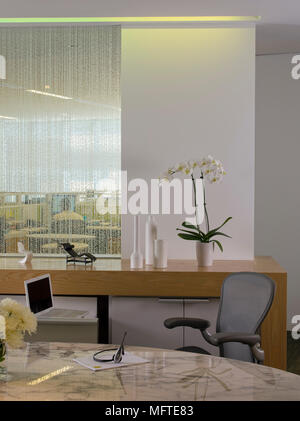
(103, 319)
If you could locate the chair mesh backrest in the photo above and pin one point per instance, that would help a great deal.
(246, 298)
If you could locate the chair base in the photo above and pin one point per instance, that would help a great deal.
(195, 349)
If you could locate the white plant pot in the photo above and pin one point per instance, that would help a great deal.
(204, 253)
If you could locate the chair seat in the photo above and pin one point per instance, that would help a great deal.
(195, 349)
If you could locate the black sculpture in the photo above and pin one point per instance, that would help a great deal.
(74, 257)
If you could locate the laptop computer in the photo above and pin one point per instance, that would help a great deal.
(39, 299)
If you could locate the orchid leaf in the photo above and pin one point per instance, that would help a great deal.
(191, 226)
(218, 243)
(187, 225)
(212, 234)
(191, 232)
(217, 229)
(189, 237)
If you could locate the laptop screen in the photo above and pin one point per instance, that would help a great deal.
(39, 295)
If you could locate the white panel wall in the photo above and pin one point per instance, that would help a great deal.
(277, 197)
(187, 93)
(80, 8)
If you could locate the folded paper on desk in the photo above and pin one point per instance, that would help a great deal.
(128, 359)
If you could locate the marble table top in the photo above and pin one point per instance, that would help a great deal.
(45, 372)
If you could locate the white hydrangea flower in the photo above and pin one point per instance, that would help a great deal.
(14, 338)
(18, 320)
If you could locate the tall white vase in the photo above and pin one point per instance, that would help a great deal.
(204, 253)
(136, 258)
(150, 236)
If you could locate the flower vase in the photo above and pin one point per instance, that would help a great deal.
(204, 252)
(150, 236)
(136, 258)
(160, 255)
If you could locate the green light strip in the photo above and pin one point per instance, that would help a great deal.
(135, 19)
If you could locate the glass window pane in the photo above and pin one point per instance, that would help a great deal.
(59, 138)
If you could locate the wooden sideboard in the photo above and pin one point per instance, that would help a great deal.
(182, 278)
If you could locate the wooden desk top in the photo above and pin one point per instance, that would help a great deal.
(262, 264)
(182, 278)
(115, 277)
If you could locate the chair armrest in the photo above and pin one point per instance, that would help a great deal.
(200, 324)
(251, 339)
(242, 337)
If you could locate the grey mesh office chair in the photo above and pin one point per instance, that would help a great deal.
(246, 298)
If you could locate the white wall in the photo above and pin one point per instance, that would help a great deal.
(187, 93)
(38, 8)
(277, 198)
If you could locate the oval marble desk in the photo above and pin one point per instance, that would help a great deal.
(45, 371)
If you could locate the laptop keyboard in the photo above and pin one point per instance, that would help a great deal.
(63, 313)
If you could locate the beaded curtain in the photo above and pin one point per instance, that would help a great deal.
(60, 140)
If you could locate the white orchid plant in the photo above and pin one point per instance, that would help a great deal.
(211, 170)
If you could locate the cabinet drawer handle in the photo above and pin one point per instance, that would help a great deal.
(186, 300)
(170, 300)
(196, 300)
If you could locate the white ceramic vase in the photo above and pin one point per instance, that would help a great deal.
(160, 255)
(136, 258)
(150, 236)
(204, 253)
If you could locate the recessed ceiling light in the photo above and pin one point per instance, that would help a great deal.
(134, 19)
(47, 93)
(8, 118)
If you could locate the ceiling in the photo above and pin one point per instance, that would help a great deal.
(278, 32)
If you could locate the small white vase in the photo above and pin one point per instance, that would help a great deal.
(204, 253)
(160, 255)
(150, 236)
(136, 258)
